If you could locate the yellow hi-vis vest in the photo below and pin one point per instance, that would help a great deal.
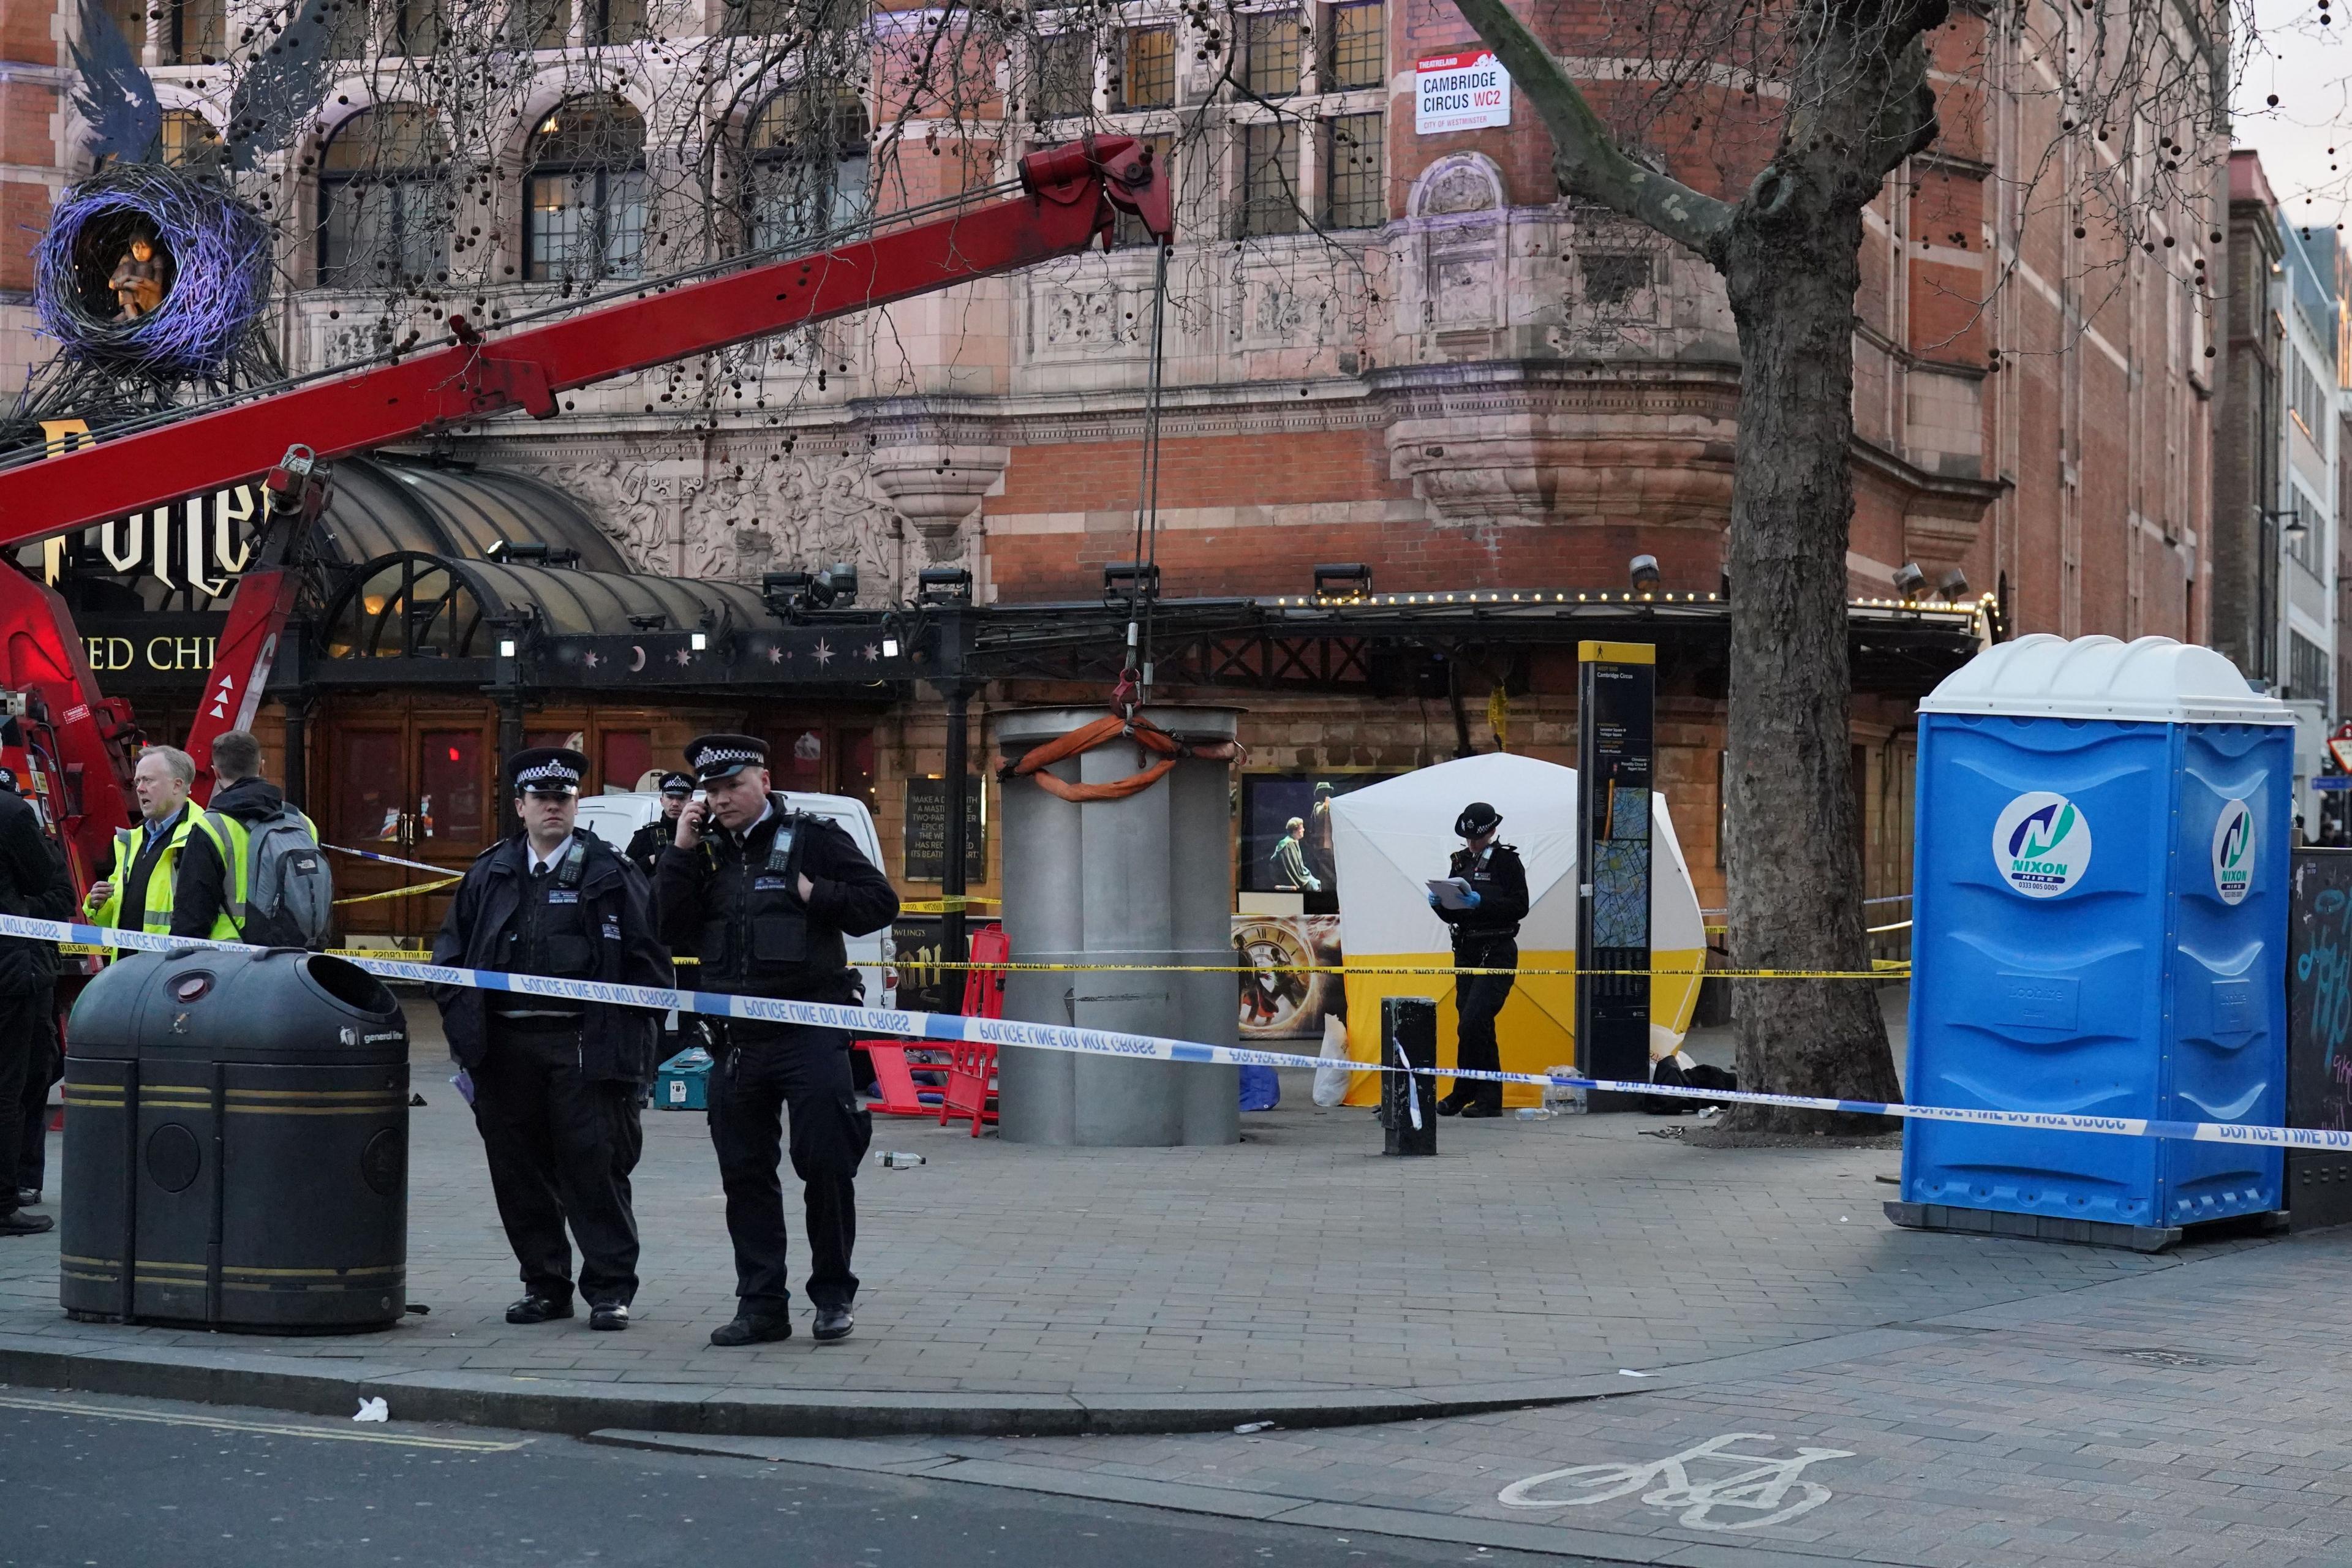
(156, 919)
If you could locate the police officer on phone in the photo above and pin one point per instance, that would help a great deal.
(646, 844)
(764, 895)
(1485, 937)
(556, 1083)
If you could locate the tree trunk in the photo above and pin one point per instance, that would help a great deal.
(1861, 102)
(1791, 266)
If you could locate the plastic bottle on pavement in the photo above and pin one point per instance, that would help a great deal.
(1537, 1113)
(892, 1160)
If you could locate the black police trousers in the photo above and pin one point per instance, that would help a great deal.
(560, 1147)
(763, 1073)
(42, 1067)
(28, 1024)
(1477, 999)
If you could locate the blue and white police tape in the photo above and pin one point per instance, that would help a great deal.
(1010, 1032)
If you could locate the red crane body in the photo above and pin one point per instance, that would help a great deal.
(1070, 195)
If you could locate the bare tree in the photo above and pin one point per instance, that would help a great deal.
(1819, 103)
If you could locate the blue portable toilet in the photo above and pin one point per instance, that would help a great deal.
(2100, 923)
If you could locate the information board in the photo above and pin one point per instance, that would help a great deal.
(927, 831)
(1616, 688)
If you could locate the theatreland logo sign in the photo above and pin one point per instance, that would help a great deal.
(201, 542)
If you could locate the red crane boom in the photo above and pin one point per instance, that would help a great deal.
(1070, 195)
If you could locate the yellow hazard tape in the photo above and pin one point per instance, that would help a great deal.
(1886, 969)
(402, 892)
(1883, 969)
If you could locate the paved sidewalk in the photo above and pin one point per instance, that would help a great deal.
(2202, 1416)
(1009, 1288)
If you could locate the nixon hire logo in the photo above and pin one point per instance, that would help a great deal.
(2042, 844)
(2233, 852)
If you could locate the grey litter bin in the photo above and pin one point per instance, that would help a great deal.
(236, 1145)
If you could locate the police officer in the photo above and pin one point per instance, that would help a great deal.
(645, 844)
(1485, 936)
(556, 1083)
(764, 895)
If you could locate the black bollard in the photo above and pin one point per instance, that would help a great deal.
(1409, 1098)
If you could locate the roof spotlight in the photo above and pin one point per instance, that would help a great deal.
(1909, 581)
(1954, 586)
(943, 586)
(1342, 582)
(1643, 571)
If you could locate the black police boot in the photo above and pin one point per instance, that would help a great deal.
(1483, 1108)
(834, 1323)
(752, 1328)
(610, 1316)
(1452, 1104)
(16, 1221)
(535, 1308)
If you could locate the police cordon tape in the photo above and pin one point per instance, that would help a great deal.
(387, 859)
(1009, 1032)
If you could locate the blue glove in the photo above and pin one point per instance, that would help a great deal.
(1433, 901)
(1475, 899)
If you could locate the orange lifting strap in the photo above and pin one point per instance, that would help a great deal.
(1102, 731)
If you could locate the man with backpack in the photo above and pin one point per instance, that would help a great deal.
(254, 866)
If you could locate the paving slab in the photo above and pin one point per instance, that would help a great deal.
(1297, 1276)
(2198, 1416)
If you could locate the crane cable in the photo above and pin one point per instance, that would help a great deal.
(1134, 688)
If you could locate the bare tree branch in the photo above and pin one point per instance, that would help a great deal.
(1907, 121)
(1588, 163)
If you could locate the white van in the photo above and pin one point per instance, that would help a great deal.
(616, 815)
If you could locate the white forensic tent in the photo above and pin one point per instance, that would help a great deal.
(1387, 841)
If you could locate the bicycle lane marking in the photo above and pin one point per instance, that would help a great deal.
(1757, 1483)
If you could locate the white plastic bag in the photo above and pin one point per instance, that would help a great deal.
(1331, 1082)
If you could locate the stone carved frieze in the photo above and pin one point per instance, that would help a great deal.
(1075, 316)
(1461, 183)
(1455, 236)
(1277, 310)
(736, 515)
(793, 511)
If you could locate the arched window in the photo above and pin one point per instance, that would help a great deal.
(584, 195)
(806, 150)
(382, 199)
(189, 139)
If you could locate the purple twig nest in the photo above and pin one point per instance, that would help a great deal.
(209, 253)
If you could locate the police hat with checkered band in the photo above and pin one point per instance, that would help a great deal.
(716, 757)
(547, 770)
(678, 784)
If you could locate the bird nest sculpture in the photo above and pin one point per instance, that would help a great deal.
(147, 271)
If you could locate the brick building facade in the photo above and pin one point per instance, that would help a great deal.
(1383, 346)
(35, 155)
